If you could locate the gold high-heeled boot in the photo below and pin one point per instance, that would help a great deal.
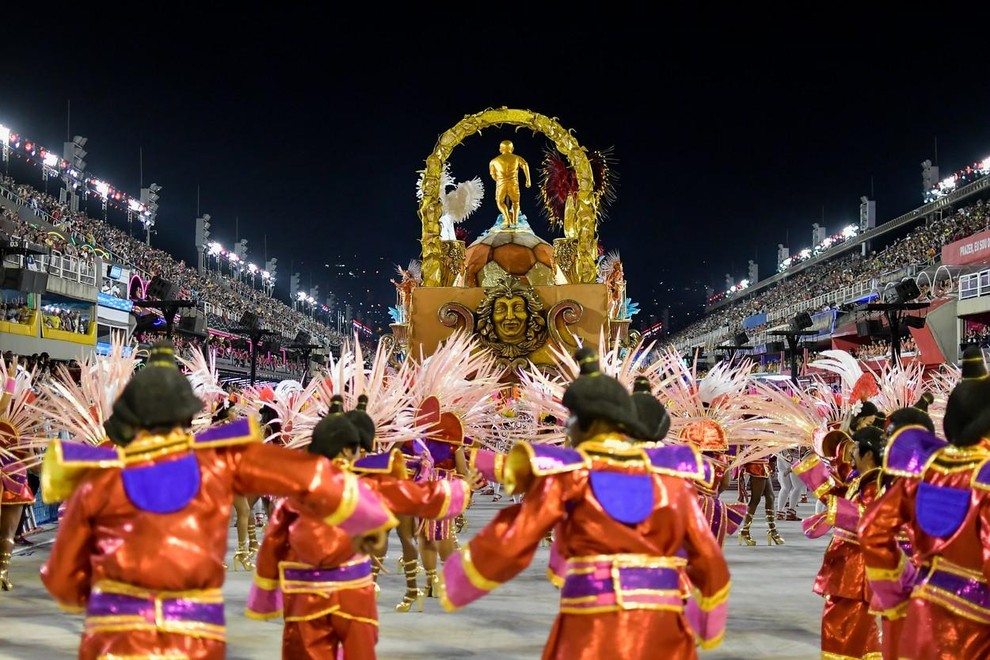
(243, 557)
(252, 531)
(432, 583)
(773, 538)
(744, 536)
(413, 595)
(5, 556)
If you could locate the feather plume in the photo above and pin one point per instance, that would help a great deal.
(857, 385)
(465, 378)
(464, 199)
(941, 383)
(898, 385)
(201, 372)
(80, 408)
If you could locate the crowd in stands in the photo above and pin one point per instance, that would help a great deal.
(66, 320)
(922, 246)
(879, 349)
(15, 311)
(55, 225)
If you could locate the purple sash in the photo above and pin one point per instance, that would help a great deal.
(176, 610)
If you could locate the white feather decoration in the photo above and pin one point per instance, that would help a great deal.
(464, 199)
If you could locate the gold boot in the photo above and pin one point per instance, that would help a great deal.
(744, 536)
(243, 557)
(432, 583)
(252, 532)
(5, 556)
(773, 538)
(413, 595)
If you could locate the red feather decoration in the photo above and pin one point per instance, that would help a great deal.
(865, 387)
(558, 182)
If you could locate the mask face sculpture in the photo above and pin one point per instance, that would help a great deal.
(510, 319)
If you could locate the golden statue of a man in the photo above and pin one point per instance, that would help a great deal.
(504, 168)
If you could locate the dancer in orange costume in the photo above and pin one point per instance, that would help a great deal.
(16, 419)
(141, 546)
(941, 495)
(849, 627)
(629, 528)
(328, 590)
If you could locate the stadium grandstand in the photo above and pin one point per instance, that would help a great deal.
(71, 279)
(927, 272)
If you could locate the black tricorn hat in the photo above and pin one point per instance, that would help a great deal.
(967, 412)
(157, 397)
(652, 414)
(593, 396)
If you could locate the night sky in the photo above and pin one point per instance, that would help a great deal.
(307, 132)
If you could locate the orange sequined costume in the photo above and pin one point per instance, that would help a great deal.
(628, 529)
(141, 547)
(942, 496)
(308, 573)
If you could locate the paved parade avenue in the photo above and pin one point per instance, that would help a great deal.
(773, 613)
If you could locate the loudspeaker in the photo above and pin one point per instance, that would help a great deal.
(302, 338)
(915, 322)
(193, 323)
(802, 321)
(22, 279)
(162, 289)
(741, 339)
(869, 328)
(775, 347)
(249, 320)
(907, 290)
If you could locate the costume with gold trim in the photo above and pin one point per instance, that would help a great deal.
(849, 627)
(942, 498)
(308, 573)
(141, 546)
(630, 535)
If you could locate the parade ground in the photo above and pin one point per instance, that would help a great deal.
(773, 613)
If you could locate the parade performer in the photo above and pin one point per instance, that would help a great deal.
(940, 495)
(217, 409)
(140, 549)
(309, 573)
(849, 627)
(16, 421)
(629, 528)
(712, 413)
(892, 621)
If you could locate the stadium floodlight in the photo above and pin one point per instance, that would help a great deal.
(102, 188)
(50, 159)
(4, 135)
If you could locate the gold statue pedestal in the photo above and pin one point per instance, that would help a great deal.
(618, 330)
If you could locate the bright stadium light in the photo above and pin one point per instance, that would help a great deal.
(4, 135)
(50, 159)
(102, 188)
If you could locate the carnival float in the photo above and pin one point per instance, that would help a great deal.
(525, 298)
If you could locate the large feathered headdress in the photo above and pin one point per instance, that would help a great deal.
(857, 385)
(80, 408)
(205, 380)
(17, 421)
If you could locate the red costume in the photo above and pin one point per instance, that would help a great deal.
(308, 572)
(942, 498)
(628, 528)
(141, 547)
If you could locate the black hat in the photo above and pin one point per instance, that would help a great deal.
(652, 414)
(363, 422)
(594, 396)
(334, 433)
(157, 397)
(927, 399)
(967, 412)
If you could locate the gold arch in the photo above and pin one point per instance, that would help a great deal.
(581, 223)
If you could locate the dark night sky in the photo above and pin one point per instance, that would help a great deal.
(728, 139)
